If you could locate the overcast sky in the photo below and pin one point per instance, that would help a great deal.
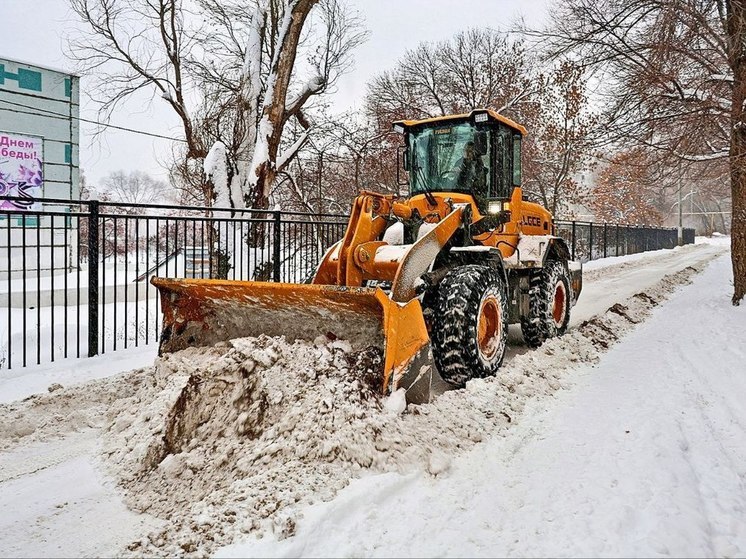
(34, 31)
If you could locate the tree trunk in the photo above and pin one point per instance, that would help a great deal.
(736, 24)
(738, 224)
(257, 235)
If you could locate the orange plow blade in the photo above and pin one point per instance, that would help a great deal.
(200, 312)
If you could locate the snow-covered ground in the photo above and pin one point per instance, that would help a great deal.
(644, 456)
(573, 451)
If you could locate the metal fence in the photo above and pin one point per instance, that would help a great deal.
(74, 276)
(589, 241)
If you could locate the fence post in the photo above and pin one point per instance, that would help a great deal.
(573, 239)
(605, 243)
(276, 224)
(93, 256)
(617, 239)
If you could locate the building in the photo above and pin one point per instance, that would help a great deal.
(39, 157)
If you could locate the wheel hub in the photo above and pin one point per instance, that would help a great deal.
(559, 305)
(488, 327)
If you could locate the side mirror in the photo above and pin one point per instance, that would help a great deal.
(480, 143)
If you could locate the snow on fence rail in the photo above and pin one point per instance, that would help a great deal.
(74, 276)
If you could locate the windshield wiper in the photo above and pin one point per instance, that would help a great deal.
(419, 173)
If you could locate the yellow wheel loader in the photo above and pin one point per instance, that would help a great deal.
(433, 278)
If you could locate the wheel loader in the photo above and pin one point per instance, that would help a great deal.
(433, 278)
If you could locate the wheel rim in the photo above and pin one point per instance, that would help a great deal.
(489, 326)
(559, 305)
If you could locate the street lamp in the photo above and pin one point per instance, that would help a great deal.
(680, 204)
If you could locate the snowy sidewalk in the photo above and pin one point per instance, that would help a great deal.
(644, 456)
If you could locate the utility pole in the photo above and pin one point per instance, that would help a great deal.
(681, 227)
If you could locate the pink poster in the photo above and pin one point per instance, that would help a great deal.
(20, 170)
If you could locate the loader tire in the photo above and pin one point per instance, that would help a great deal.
(470, 324)
(549, 304)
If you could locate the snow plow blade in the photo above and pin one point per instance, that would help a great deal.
(202, 312)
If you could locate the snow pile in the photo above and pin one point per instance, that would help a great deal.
(224, 437)
(234, 439)
(42, 417)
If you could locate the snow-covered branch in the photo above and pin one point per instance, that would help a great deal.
(286, 156)
(720, 154)
(312, 87)
(216, 168)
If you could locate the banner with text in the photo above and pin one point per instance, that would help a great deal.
(21, 163)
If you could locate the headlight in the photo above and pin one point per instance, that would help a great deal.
(494, 207)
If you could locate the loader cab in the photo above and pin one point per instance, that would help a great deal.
(477, 153)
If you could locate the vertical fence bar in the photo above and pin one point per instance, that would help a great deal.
(147, 283)
(183, 246)
(116, 283)
(605, 240)
(166, 254)
(51, 287)
(137, 285)
(10, 298)
(617, 239)
(38, 288)
(126, 279)
(573, 239)
(66, 224)
(93, 217)
(157, 264)
(77, 282)
(241, 242)
(276, 226)
(194, 244)
(234, 256)
(23, 266)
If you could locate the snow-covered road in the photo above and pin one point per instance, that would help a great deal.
(644, 456)
(56, 503)
(609, 280)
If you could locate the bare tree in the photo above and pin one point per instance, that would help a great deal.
(734, 17)
(672, 74)
(136, 45)
(477, 68)
(135, 187)
(482, 68)
(122, 235)
(226, 68)
(562, 133)
(266, 100)
(626, 191)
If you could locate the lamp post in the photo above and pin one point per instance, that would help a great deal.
(681, 225)
(680, 204)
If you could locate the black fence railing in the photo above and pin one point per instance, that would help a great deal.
(590, 241)
(74, 276)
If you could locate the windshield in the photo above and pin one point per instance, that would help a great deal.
(452, 157)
